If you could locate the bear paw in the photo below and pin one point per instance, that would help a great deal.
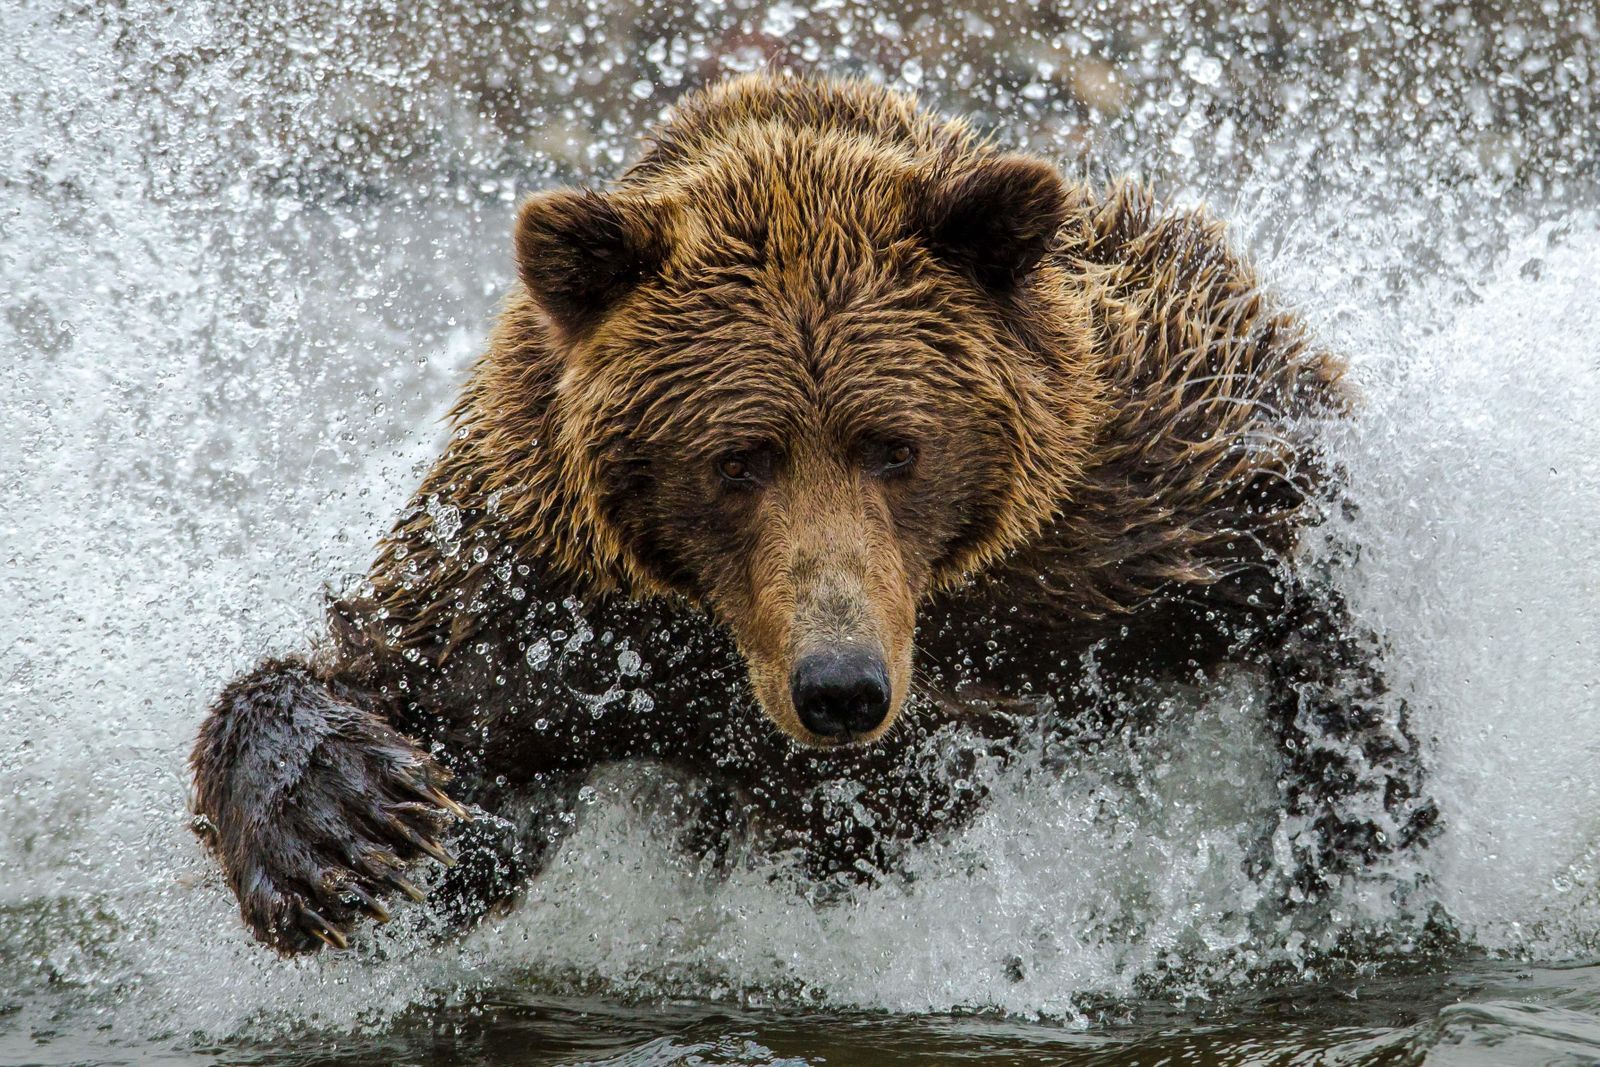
(315, 808)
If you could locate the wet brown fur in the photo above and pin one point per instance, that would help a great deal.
(1114, 433)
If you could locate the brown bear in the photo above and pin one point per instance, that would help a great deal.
(820, 454)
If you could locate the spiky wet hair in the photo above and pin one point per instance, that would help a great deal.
(1122, 359)
(776, 231)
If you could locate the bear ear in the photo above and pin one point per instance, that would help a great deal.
(996, 218)
(579, 251)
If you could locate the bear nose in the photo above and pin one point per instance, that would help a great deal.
(840, 690)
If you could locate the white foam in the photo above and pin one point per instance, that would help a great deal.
(1478, 467)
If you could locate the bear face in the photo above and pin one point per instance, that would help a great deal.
(805, 379)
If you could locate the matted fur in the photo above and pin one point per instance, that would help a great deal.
(1113, 427)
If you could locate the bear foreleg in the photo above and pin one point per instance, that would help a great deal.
(1354, 778)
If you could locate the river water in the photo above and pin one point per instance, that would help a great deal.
(244, 259)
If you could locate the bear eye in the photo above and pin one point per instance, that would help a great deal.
(735, 467)
(895, 458)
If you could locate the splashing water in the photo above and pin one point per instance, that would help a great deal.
(245, 257)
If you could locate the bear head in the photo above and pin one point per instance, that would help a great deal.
(806, 378)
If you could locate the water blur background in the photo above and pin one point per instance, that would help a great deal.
(246, 252)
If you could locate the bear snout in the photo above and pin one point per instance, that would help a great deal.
(840, 691)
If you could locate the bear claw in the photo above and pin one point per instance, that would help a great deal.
(322, 929)
(400, 885)
(435, 796)
(370, 904)
(428, 845)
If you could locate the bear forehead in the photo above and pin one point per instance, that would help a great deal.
(770, 191)
(837, 320)
(770, 370)
(795, 294)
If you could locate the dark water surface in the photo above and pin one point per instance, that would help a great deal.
(1477, 1012)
